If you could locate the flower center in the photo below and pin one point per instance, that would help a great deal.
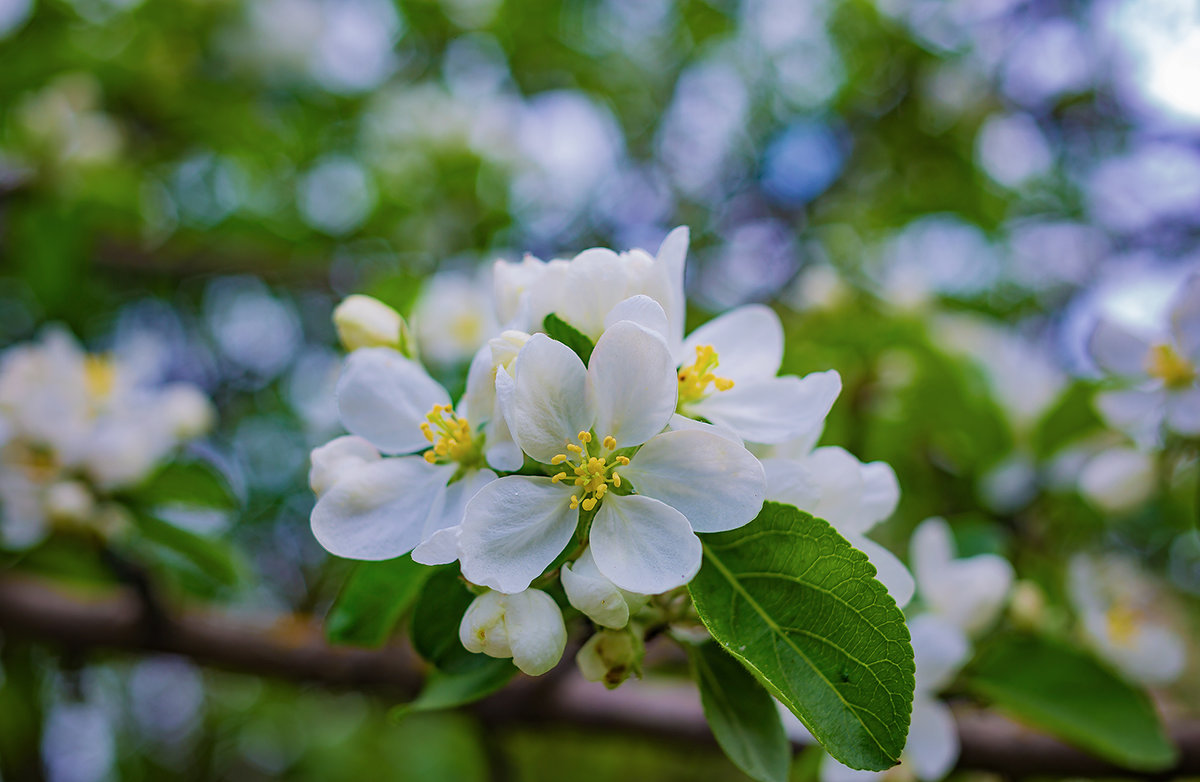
(1167, 365)
(591, 474)
(695, 378)
(99, 376)
(451, 437)
(1123, 621)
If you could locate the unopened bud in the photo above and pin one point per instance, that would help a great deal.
(612, 656)
(70, 501)
(188, 413)
(527, 626)
(1027, 606)
(364, 322)
(599, 599)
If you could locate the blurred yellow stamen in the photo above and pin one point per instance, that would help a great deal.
(1165, 363)
(451, 436)
(1123, 621)
(99, 375)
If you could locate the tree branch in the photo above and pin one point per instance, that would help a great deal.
(295, 649)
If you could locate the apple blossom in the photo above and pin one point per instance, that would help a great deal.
(526, 626)
(967, 593)
(599, 599)
(365, 322)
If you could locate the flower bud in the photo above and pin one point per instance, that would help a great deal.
(186, 411)
(1028, 605)
(1118, 480)
(364, 322)
(599, 599)
(70, 501)
(527, 626)
(335, 458)
(611, 656)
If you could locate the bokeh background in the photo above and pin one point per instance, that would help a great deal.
(939, 195)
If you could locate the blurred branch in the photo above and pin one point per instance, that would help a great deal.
(294, 649)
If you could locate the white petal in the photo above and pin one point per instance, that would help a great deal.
(635, 384)
(550, 400)
(536, 631)
(1137, 411)
(1118, 480)
(932, 747)
(383, 397)
(642, 310)
(513, 529)
(772, 410)
(748, 341)
(458, 494)
(789, 482)
(680, 423)
(670, 260)
(1183, 411)
(890, 571)
(716, 484)
(340, 456)
(1117, 350)
(479, 400)
(940, 648)
(643, 545)
(838, 477)
(379, 511)
(440, 548)
(833, 771)
(1185, 318)
(599, 599)
(881, 490)
(1157, 655)
(483, 628)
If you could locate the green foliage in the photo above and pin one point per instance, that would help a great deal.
(1071, 417)
(801, 608)
(373, 599)
(564, 332)
(209, 558)
(742, 714)
(187, 484)
(459, 677)
(1068, 693)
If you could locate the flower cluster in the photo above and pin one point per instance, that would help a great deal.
(594, 440)
(77, 427)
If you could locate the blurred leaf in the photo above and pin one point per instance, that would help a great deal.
(192, 484)
(213, 558)
(445, 690)
(373, 599)
(576, 340)
(1069, 693)
(1071, 417)
(790, 598)
(743, 716)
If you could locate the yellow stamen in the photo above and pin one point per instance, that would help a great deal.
(450, 435)
(1123, 621)
(558, 477)
(695, 378)
(609, 443)
(1165, 363)
(99, 375)
(585, 437)
(589, 503)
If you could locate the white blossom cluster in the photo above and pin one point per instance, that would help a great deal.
(600, 471)
(76, 427)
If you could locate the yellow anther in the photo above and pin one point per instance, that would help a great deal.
(610, 443)
(427, 430)
(585, 437)
(616, 479)
(575, 449)
(1123, 621)
(559, 459)
(451, 436)
(695, 378)
(574, 502)
(99, 375)
(589, 503)
(558, 477)
(430, 457)
(622, 460)
(1165, 363)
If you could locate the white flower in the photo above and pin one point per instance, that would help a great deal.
(496, 358)
(366, 322)
(967, 593)
(371, 507)
(453, 317)
(728, 376)
(1118, 479)
(527, 626)
(1163, 366)
(832, 484)
(581, 420)
(1121, 615)
(586, 289)
(70, 501)
(185, 411)
(599, 599)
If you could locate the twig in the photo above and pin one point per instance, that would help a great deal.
(294, 649)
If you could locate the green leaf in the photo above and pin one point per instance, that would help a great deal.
(189, 484)
(742, 715)
(460, 677)
(373, 599)
(1067, 692)
(559, 329)
(445, 690)
(801, 608)
(214, 558)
